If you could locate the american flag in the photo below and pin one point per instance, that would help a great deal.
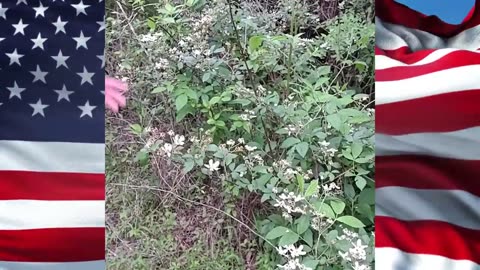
(52, 173)
(427, 140)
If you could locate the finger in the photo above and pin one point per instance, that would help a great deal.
(111, 104)
(118, 97)
(117, 84)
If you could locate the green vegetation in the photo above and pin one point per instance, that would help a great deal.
(248, 138)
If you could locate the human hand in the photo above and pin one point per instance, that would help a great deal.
(114, 94)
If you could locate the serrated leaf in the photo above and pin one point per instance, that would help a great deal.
(183, 113)
(367, 196)
(303, 223)
(262, 180)
(215, 100)
(360, 182)
(312, 264)
(213, 148)
(206, 77)
(289, 238)
(357, 149)
(312, 188)
(335, 121)
(349, 191)
(302, 148)
(188, 166)
(324, 209)
(289, 142)
(308, 237)
(337, 206)
(347, 155)
(191, 94)
(351, 221)
(277, 232)
(181, 101)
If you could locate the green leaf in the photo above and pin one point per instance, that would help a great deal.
(243, 102)
(357, 149)
(312, 188)
(255, 42)
(366, 211)
(206, 77)
(289, 238)
(151, 24)
(142, 157)
(289, 142)
(277, 232)
(188, 166)
(158, 89)
(351, 221)
(349, 191)
(213, 148)
(331, 235)
(191, 3)
(312, 264)
(168, 20)
(360, 182)
(303, 223)
(191, 94)
(181, 101)
(215, 100)
(324, 209)
(335, 121)
(308, 237)
(321, 81)
(301, 182)
(367, 196)
(262, 180)
(347, 155)
(302, 148)
(183, 113)
(337, 206)
(136, 128)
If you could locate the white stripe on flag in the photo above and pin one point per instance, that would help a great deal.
(33, 214)
(52, 157)
(392, 258)
(89, 265)
(453, 206)
(462, 144)
(435, 83)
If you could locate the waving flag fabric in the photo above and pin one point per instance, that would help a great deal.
(52, 184)
(427, 141)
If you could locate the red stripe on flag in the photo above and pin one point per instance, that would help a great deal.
(53, 245)
(396, 54)
(452, 60)
(424, 172)
(439, 113)
(404, 54)
(16, 185)
(428, 237)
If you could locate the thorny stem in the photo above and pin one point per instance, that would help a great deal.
(244, 55)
